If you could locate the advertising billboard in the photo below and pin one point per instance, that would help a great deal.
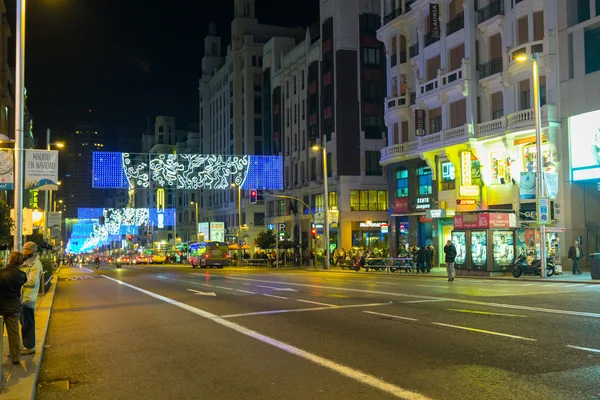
(217, 231)
(585, 146)
(41, 169)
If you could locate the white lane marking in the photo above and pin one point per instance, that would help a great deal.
(484, 331)
(480, 303)
(584, 348)
(203, 293)
(277, 288)
(245, 291)
(341, 369)
(277, 297)
(294, 310)
(85, 269)
(390, 315)
(575, 284)
(315, 302)
(593, 286)
(487, 313)
(223, 287)
(423, 301)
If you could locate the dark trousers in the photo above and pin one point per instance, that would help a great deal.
(11, 321)
(576, 269)
(28, 327)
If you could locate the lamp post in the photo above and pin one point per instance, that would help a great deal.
(19, 102)
(538, 147)
(239, 207)
(325, 200)
(197, 220)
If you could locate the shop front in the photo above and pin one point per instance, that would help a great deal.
(485, 243)
(370, 234)
(442, 224)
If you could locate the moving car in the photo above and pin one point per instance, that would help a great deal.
(209, 254)
(159, 258)
(142, 259)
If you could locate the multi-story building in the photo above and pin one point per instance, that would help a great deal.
(459, 110)
(328, 91)
(76, 190)
(579, 65)
(231, 96)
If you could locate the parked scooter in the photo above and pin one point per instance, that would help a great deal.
(521, 267)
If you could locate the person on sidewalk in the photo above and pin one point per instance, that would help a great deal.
(421, 259)
(450, 252)
(32, 266)
(575, 254)
(12, 280)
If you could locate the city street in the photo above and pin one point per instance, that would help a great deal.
(158, 332)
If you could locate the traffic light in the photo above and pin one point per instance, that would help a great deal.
(130, 238)
(314, 231)
(253, 196)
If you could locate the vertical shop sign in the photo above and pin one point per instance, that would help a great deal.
(434, 20)
(465, 158)
(420, 123)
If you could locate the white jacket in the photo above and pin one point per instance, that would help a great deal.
(33, 268)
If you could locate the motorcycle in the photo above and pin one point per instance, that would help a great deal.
(521, 267)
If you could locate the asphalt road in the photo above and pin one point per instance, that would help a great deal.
(183, 333)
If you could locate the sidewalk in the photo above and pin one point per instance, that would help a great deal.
(18, 382)
(440, 272)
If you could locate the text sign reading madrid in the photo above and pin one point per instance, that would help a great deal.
(185, 171)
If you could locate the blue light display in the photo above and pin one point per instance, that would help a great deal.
(112, 170)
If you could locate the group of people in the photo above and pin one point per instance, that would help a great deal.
(20, 283)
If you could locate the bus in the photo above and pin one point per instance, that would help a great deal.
(209, 254)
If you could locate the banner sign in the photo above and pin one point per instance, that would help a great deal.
(41, 169)
(527, 186)
(203, 231)
(400, 205)
(551, 181)
(54, 224)
(434, 20)
(420, 123)
(217, 231)
(6, 170)
(485, 221)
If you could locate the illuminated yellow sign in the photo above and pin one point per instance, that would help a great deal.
(160, 200)
(469, 190)
(465, 158)
(33, 198)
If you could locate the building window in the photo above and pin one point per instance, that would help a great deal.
(424, 174)
(319, 203)
(373, 91)
(372, 166)
(372, 57)
(313, 169)
(578, 11)
(333, 200)
(448, 176)
(259, 219)
(401, 182)
(524, 95)
(368, 200)
(302, 79)
(592, 49)
(500, 168)
(374, 126)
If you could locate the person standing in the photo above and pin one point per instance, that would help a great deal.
(421, 259)
(32, 267)
(450, 252)
(575, 254)
(428, 258)
(12, 280)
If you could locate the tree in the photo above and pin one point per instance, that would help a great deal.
(266, 240)
(6, 224)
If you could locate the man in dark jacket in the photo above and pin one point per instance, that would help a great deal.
(450, 252)
(12, 280)
(575, 254)
(421, 259)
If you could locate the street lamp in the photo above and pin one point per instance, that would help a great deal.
(19, 98)
(196, 219)
(523, 57)
(325, 200)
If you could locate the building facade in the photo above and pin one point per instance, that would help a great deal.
(231, 120)
(328, 91)
(459, 111)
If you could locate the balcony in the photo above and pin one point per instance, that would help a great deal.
(495, 8)
(429, 86)
(430, 39)
(443, 80)
(530, 49)
(526, 118)
(456, 24)
(491, 127)
(392, 16)
(490, 68)
(439, 140)
(413, 50)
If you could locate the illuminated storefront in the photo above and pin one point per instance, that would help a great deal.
(371, 234)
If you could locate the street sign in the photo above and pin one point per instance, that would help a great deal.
(543, 211)
(280, 227)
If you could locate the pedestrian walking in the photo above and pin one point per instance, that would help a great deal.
(450, 252)
(32, 267)
(575, 253)
(432, 251)
(428, 259)
(421, 259)
(12, 280)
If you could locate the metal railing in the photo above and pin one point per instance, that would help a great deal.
(429, 39)
(413, 50)
(456, 24)
(393, 15)
(496, 7)
(490, 68)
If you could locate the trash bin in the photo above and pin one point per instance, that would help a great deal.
(595, 265)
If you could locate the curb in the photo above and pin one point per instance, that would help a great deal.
(501, 278)
(25, 385)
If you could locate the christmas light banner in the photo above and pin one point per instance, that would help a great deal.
(113, 170)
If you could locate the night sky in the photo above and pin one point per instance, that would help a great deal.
(127, 60)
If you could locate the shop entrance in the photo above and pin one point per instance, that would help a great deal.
(592, 240)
